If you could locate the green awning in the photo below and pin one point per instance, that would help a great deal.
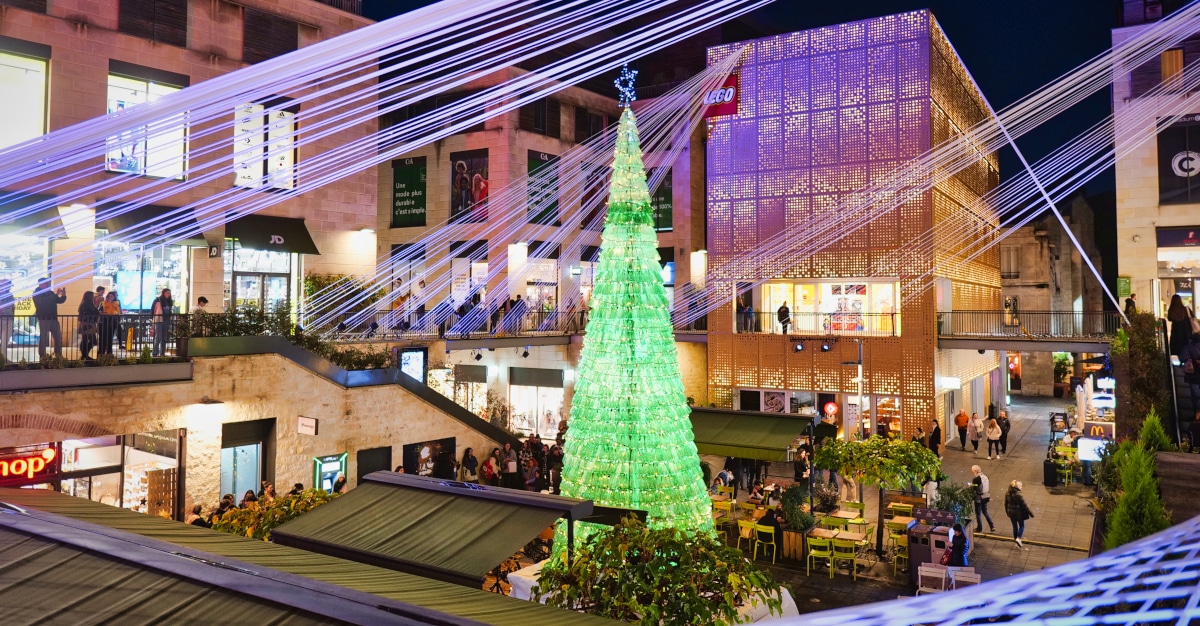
(455, 600)
(449, 531)
(746, 435)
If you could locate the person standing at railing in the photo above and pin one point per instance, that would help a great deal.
(161, 311)
(740, 314)
(45, 308)
(89, 325)
(784, 315)
(8, 305)
(110, 322)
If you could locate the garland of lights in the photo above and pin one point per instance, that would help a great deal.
(630, 443)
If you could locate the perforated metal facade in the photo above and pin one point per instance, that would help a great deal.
(823, 114)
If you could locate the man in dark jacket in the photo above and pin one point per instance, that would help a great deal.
(1005, 426)
(45, 307)
(784, 315)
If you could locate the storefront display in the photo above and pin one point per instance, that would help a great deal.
(430, 458)
(537, 397)
(847, 306)
(258, 278)
(139, 273)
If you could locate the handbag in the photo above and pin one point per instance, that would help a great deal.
(1195, 325)
(1189, 366)
(471, 477)
(512, 467)
(946, 557)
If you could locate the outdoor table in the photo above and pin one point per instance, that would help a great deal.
(851, 536)
(823, 533)
(724, 497)
(845, 514)
(900, 519)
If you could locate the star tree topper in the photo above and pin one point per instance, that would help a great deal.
(624, 84)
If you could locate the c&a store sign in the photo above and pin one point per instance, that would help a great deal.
(28, 465)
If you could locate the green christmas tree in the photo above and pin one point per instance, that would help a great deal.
(630, 444)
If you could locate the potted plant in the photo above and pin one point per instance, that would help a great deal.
(799, 521)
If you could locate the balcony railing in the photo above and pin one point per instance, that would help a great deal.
(475, 323)
(123, 336)
(349, 6)
(1035, 325)
(843, 323)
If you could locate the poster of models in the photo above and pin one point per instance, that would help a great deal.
(430, 458)
(469, 186)
(595, 195)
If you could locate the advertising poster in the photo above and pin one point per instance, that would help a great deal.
(469, 186)
(1179, 161)
(412, 362)
(408, 192)
(543, 188)
(595, 192)
(430, 458)
(661, 200)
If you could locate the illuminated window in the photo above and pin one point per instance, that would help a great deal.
(1172, 64)
(158, 151)
(264, 145)
(23, 83)
(848, 306)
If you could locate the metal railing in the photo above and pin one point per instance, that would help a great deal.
(349, 6)
(824, 324)
(26, 338)
(474, 323)
(1034, 325)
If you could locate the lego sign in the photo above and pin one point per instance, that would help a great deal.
(724, 99)
(26, 466)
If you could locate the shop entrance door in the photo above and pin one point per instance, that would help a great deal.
(241, 469)
(261, 291)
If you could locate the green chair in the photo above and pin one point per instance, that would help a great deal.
(819, 550)
(895, 529)
(764, 537)
(745, 531)
(866, 547)
(845, 550)
(899, 508)
(722, 514)
(900, 554)
(862, 511)
(1066, 471)
(834, 523)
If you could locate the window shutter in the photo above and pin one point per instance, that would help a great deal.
(553, 119)
(136, 17)
(170, 22)
(37, 6)
(1145, 78)
(581, 125)
(526, 117)
(267, 36)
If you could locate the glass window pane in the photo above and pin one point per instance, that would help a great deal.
(23, 83)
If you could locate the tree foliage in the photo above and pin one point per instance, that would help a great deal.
(887, 463)
(657, 577)
(957, 498)
(792, 505)
(1143, 361)
(1153, 436)
(258, 519)
(1139, 510)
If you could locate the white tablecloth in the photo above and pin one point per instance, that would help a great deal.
(522, 582)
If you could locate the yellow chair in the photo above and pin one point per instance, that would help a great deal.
(900, 554)
(834, 523)
(856, 506)
(745, 531)
(722, 489)
(747, 509)
(819, 550)
(901, 509)
(845, 550)
(1066, 471)
(866, 547)
(764, 536)
(722, 513)
(1066, 452)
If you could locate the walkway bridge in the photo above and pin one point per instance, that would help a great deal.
(1028, 331)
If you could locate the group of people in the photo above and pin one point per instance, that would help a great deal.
(266, 494)
(993, 431)
(533, 466)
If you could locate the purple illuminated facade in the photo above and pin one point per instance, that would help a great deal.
(823, 114)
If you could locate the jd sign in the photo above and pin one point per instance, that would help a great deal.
(276, 240)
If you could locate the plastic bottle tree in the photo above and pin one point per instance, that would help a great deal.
(630, 443)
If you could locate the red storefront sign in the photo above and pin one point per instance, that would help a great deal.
(723, 100)
(28, 466)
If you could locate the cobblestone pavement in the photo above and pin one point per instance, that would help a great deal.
(1062, 517)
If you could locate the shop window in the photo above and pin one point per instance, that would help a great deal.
(536, 396)
(543, 117)
(1172, 65)
(266, 36)
(23, 261)
(23, 82)
(850, 306)
(408, 274)
(139, 274)
(164, 21)
(666, 260)
(264, 145)
(1010, 262)
(158, 153)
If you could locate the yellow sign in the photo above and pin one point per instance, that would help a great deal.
(23, 307)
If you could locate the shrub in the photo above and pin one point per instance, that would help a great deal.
(706, 471)
(656, 577)
(1062, 367)
(1153, 437)
(792, 503)
(258, 519)
(145, 358)
(1139, 510)
(956, 498)
(826, 497)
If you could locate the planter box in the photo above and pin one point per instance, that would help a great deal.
(794, 545)
(22, 380)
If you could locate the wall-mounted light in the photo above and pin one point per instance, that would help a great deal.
(826, 346)
(576, 270)
(208, 400)
(1137, 238)
(798, 346)
(525, 354)
(369, 231)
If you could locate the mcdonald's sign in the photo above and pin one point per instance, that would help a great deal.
(1099, 430)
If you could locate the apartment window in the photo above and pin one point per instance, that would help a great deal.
(264, 145)
(1172, 64)
(1010, 262)
(543, 117)
(267, 36)
(588, 124)
(37, 6)
(23, 82)
(158, 20)
(160, 152)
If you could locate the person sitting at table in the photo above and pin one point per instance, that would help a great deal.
(716, 483)
(1071, 439)
(772, 518)
(756, 494)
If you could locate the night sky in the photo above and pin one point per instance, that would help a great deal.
(1011, 47)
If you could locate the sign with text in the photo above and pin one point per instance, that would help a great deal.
(724, 99)
(543, 189)
(1099, 430)
(1179, 161)
(1124, 286)
(408, 192)
(661, 201)
(1178, 237)
(307, 426)
(595, 188)
(28, 465)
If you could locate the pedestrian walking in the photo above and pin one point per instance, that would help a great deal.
(983, 495)
(935, 438)
(993, 434)
(974, 432)
(1005, 426)
(960, 422)
(1017, 510)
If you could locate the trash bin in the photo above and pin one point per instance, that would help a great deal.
(918, 548)
(1049, 473)
(939, 543)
